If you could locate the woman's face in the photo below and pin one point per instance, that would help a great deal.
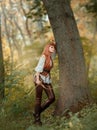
(51, 49)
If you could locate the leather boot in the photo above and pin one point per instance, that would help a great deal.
(37, 120)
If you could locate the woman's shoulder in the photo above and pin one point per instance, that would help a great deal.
(43, 56)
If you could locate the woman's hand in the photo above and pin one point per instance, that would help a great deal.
(38, 82)
(37, 79)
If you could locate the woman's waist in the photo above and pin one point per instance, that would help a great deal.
(45, 79)
(45, 72)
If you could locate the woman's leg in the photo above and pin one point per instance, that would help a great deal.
(51, 97)
(39, 90)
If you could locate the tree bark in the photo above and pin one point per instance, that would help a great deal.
(74, 91)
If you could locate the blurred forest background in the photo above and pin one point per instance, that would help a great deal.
(24, 30)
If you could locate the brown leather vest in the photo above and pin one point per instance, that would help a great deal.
(47, 66)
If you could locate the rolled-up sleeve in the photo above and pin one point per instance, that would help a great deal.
(40, 65)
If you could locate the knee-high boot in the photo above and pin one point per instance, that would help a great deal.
(37, 116)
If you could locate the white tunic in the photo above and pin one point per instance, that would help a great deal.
(39, 68)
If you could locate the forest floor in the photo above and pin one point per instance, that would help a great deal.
(17, 107)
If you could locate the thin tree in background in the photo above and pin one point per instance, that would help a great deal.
(1, 67)
(91, 7)
(38, 15)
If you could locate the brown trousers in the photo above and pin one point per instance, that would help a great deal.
(50, 94)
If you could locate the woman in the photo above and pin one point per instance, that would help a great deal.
(43, 81)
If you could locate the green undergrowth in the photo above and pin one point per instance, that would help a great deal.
(13, 119)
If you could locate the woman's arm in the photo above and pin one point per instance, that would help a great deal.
(39, 68)
(37, 79)
(40, 65)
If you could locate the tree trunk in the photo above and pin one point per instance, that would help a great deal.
(26, 23)
(7, 34)
(74, 91)
(1, 68)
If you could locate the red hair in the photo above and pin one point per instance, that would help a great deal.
(48, 55)
(46, 49)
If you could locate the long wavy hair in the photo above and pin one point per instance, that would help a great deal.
(47, 54)
(46, 49)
